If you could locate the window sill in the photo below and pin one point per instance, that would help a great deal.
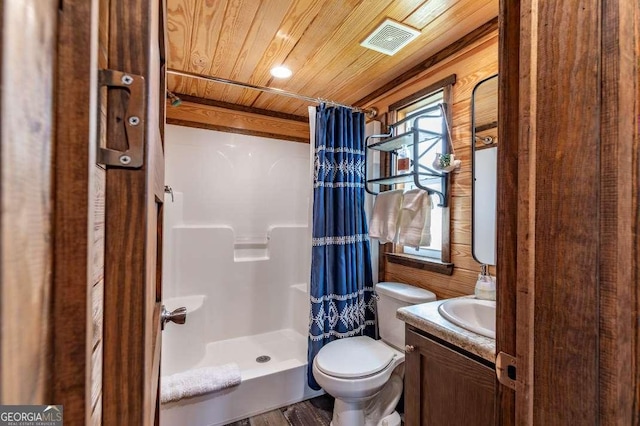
(419, 262)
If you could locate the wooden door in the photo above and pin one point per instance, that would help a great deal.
(568, 264)
(507, 206)
(94, 36)
(133, 237)
(78, 261)
(27, 46)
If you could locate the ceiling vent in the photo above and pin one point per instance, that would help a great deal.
(390, 37)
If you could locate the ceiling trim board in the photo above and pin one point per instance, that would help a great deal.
(208, 126)
(438, 85)
(243, 108)
(458, 45)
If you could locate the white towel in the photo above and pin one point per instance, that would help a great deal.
(198, 381)
(415, 219)
(384, 219)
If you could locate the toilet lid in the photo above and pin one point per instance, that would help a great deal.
(354, 357)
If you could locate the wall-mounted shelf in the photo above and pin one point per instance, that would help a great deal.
(402, 178)
(422, 142)
(485, 127)
(392, 180)
(405, 139)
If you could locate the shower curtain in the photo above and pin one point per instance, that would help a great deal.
(342, 302)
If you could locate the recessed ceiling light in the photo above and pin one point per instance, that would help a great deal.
(281, 72)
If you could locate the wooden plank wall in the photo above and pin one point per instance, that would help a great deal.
(618, 215)
(564, 197)
(577, 217)
(470, 65)
(26, 135)
(636, 248)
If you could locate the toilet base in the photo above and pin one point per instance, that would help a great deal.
(392, 419)
(348, 413)
(351, 416)
(374, 410)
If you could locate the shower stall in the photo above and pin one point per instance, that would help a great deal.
(236, 253)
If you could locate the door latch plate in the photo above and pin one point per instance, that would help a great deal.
(506, 370)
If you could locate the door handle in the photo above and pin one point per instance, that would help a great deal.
(177, 316)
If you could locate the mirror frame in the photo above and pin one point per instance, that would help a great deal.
(473, 168)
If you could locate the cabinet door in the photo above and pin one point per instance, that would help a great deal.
(445, 388)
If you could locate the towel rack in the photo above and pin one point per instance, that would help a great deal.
(422, 142)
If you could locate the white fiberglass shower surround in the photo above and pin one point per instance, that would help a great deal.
(236, 253)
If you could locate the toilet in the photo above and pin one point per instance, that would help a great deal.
(365, 376)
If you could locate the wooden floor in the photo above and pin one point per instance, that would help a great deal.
(314, 412)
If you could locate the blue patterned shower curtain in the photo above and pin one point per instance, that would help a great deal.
(342, 302)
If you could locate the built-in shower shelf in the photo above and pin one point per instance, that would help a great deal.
(251, 250)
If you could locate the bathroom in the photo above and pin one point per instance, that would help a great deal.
(461, 229)
(257, 229)
(207, 172)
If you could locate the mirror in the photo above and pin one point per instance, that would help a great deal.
(484, 143)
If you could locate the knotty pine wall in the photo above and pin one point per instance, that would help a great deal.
(471, 65)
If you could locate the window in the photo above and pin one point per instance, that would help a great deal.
(434, 250)
(436, 256)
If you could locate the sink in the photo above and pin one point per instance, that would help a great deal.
(475, 315)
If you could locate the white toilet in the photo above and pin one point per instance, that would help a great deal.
(365, 376)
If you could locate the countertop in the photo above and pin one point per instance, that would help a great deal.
(426, 317)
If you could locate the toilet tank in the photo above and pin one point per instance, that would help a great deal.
(393, 296)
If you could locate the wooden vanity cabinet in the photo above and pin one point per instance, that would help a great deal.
(443, 387)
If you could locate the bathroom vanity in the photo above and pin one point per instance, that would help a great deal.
(449, 371)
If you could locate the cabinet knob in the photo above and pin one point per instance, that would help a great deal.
(409, 348)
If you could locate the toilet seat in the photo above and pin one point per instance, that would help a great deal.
(354, 357)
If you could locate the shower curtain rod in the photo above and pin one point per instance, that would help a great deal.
(371, 113)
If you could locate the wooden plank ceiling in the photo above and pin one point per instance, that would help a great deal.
(318, 40)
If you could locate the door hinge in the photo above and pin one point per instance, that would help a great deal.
(133, 119)
(506, 370)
